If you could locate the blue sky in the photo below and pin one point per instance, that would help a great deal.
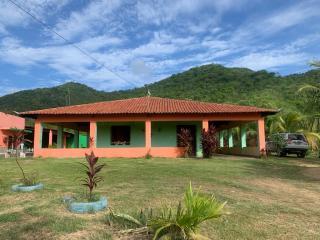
(146, 41)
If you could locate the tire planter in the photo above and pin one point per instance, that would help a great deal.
(88, 207)
(22, 188)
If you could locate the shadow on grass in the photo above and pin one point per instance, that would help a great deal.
(282, 168)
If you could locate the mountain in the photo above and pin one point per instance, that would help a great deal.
(212, 82)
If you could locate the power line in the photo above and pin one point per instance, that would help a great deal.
(69, 42)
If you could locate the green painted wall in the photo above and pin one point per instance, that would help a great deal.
(164, 134)
(72, 141)
(83, 140)
(137, 134)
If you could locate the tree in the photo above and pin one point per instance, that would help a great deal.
(297, 122)
(311, 92)
(17, 139)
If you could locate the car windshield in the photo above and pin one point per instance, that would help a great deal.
(296, 137)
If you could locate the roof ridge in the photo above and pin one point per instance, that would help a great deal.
(149, 104)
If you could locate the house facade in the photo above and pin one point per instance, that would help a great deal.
(147, 125)
(8, 122)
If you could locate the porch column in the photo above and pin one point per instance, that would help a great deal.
(76, 138)
(60, 137)
(148, 135)
(261, 136)
(93, 134)
(64, 141)
(230, 138)
(221, 139)
(50, 137)
(37, 142)
(243, 133)
(205, 124)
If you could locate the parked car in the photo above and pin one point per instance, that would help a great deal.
(287, 143)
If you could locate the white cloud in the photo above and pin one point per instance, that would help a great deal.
(13, 16)
(163, 11)
(269, 59)
(83, 22)
(269, 24)
(105, 30)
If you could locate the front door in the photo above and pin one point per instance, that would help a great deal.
(192, 131)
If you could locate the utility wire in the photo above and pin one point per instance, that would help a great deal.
(69, 42)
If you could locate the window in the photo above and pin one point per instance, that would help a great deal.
(120, 135)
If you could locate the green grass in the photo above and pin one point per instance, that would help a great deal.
(267, 199)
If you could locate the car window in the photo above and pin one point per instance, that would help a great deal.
(296, 137)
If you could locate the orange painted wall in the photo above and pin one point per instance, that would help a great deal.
(110, 152)
(2, 138)
(137, 151)
(8, 121)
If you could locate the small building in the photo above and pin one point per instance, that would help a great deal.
(7, 123)
(147, 125)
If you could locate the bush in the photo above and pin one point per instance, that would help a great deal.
(209, 142)
(180, 223)
(183, 222)
(278, 142)
(185, 141)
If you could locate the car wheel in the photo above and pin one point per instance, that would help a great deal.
(301, 154)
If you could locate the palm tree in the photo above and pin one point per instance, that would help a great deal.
(296, 122)
(311, 89)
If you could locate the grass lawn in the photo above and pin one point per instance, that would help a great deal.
(267, 199)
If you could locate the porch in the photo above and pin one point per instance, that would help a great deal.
(139, 136)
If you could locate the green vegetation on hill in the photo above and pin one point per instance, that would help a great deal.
(213, 83)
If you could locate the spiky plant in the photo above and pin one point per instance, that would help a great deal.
(91, 170)
(184, 221)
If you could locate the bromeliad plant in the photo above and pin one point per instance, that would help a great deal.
(91, 170)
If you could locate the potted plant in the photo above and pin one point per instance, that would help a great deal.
(28, 182)
(91, 202)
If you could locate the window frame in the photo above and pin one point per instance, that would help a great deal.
(126, 135)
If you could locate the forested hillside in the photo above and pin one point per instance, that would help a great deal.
(206, 83)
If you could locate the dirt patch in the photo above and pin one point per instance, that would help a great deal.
(286, 191)
(312, 172)
(84, 234)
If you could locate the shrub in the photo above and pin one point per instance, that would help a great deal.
(91, 171)
(185, 141)
(208, 142)
(278, 142)
(180, 223)
(183, 222)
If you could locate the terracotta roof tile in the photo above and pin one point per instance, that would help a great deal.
(149, 105)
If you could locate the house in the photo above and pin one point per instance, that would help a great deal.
(146, 125)
(8, 122)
